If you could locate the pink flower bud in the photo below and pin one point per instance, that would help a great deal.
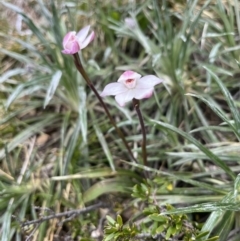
(74, 42)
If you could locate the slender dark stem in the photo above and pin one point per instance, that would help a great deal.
(136, 105)
(89, 82)
(72, 213)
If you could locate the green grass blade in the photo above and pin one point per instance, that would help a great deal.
(205, 207)
(121, 184)
(11, 73)
(225, 226)
(71, 145)
(83, 113)
(28, 132)
(204, 149)
(217, 215)
(103, 143)
(52, 87)
(21, 91)
(21, 58)
(229, 99)
(6, 226)
(216, 110)
(184, 178)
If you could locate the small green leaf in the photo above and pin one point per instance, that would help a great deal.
(119, 220)
(179, 226)
(110, 220)
(158, 217)
(160, 229)
(202, 234)
(170, 232)
(110, 237)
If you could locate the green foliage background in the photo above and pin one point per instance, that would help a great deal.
(58, 151)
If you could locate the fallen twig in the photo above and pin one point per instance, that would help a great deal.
(72, 213)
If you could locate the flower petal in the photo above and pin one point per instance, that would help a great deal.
(67, 37)
(124, 97)
(87, 40)
(73, 48)
(113, 89)
(82, 34)
(143, 93)
(128, 75)
(148, 81)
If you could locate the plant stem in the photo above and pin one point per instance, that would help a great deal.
(70, 214)
(80, 68)
(136, 105)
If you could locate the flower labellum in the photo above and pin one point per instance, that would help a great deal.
(74, 42)
(131, 85)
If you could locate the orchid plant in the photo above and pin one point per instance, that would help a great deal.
(74, 42)
(129, 86)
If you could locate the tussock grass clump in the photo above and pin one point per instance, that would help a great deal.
(65, 173)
